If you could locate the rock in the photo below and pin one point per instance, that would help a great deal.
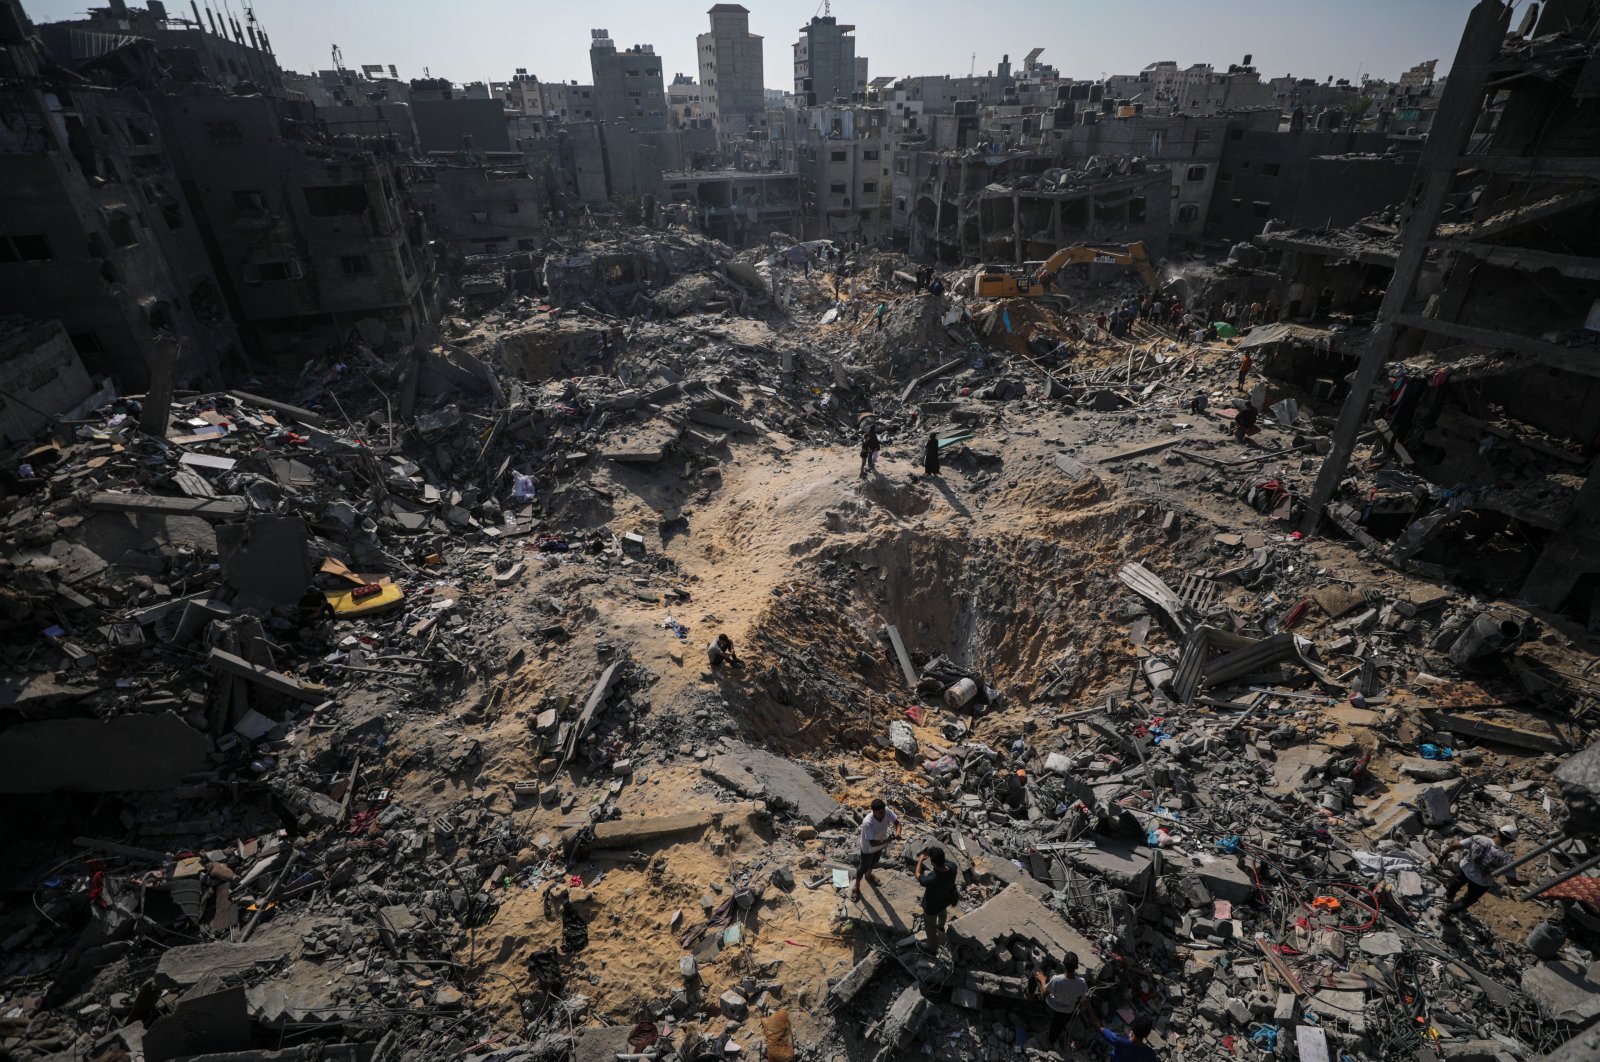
(903, 738)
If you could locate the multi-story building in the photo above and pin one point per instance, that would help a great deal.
(627, 84)
(731, 73)
(493, 208)
(842, 156)
(825, 62)
(956, 206)
(312, 237)
(95, 230)
(684, 105)
(222, 51)
(1483, 358)
(738, 207)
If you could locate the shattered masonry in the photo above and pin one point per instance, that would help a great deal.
(402, 449)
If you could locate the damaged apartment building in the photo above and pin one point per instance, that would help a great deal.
(1462, 327)
(145, 198)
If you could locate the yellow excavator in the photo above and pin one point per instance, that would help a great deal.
(999, 282)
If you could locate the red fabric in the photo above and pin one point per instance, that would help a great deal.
(1584, 888)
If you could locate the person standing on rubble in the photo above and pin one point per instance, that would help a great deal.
(1244, 369)
(1480, 858)
(877, 316)
(1066, 995)
(880, 827)
(930, 456)
(869, 449)
(938, 891)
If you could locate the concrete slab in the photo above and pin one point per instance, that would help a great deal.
(1222, 875)
(1013, 913)
(1348, 1008)
(783, 784)
(891, 905)
(1124, 863)
(1568, 990)
(188, 964)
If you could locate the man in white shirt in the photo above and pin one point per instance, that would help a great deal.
(879, 828)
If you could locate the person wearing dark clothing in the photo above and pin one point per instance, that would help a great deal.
(930, 456)
(936, 287)
(869, 450)
(1245, 422)
(938, 883)
(1131, 1048)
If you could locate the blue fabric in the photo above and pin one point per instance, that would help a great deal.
(1125, 1050)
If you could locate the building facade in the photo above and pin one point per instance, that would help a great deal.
(731, 73)
(627, 83)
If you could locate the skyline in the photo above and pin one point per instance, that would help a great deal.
(1085, 40)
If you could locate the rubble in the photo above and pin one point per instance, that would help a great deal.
(370, 706)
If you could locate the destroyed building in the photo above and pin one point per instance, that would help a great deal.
(1023, 207)
(519, 675)
(1483, 328)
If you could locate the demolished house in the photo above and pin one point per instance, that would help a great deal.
(365, 709)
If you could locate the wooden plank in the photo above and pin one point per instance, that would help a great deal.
(204, 508)
(900, 654)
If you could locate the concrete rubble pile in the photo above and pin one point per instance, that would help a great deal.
(291, 701)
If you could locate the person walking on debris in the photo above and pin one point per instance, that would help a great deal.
(1066, 995)
(869, 450)
(1244, 369)
(721, 651)
(877, 316)
(880, 827)
(930, 456)
(1131, 1048)
(1480, 858)
(938, 883)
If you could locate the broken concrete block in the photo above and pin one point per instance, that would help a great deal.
(1015, 913)
(733, 1005)
(905, 1017)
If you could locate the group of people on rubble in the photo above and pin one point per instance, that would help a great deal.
(1065, 992)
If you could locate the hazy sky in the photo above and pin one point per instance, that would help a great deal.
(472, 40)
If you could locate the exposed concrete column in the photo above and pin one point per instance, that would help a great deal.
(1016, 225)
(1458, 112)
(1055, 223)
(158, 396)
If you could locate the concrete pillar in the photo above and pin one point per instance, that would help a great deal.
(1016, 226)
(1458, 112)
(158, 397)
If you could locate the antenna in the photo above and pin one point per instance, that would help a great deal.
(972, 68)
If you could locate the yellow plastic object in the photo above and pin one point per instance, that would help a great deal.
(345, 603)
